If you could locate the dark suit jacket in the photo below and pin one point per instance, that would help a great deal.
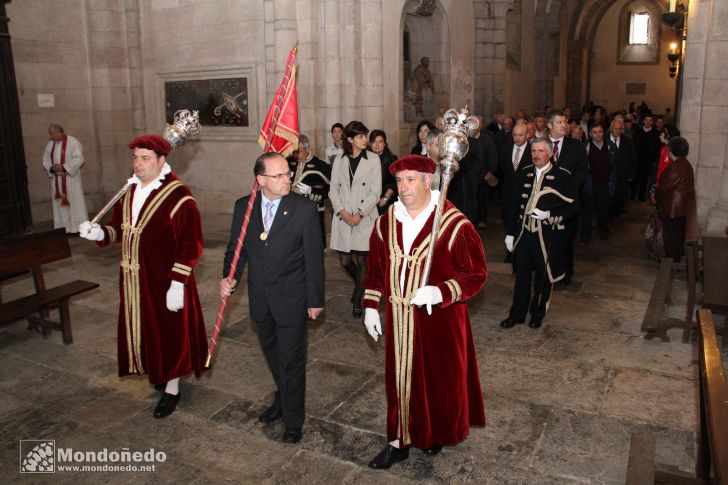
(506, 171)
(286, 271)
(572, 157)
(627, 160)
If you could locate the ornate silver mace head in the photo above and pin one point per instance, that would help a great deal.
(454, 140)
(186, 123)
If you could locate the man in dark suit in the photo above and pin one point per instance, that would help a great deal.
(569, 154)
(647, 144)
(626, 166)
(515, 156)
(311, 177)
(284, 253)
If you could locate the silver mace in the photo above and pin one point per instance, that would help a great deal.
(186, 123)
(453, 147)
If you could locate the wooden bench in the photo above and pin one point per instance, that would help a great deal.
(29, 252)
(711, 464)
(656, 323)
(707, 282)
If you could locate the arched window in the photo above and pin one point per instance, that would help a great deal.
(639, 28)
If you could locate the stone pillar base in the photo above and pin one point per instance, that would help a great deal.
(716, 222)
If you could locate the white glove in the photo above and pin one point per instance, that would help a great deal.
(90, 232)
(509, 243)
(427, 295)
(372, 323)
(176, 296)
(303, 189)
(540, 215)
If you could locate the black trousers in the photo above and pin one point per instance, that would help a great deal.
(528, 259)
(598, 203)
(673, 236)
(323, 227)
(572, 229)
(284, 345)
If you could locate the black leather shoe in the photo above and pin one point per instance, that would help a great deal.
(271, 414)
(508, 258)
(535, 322)
(388, 456)
(291, 435)
(566, 281)
(357, 312)
(509, 322)
(432, 450)
(160, 387)
(166, 405)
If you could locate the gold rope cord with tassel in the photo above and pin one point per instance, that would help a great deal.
(130, 239)
(403, 312)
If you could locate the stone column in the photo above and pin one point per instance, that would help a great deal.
(490, 55)
(704, 108)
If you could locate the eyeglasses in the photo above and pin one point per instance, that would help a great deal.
(279, 176)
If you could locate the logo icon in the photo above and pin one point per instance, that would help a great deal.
(37, 456)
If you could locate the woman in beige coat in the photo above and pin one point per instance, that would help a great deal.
(356, 183)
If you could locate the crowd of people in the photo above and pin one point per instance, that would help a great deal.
(611, 157)
(550, 173)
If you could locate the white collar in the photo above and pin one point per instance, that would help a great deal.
(543, 169)
(156, 183)
(401, 214)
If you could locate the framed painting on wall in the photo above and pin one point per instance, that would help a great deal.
(225, 99)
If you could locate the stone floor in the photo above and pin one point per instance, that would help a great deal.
(561, 402)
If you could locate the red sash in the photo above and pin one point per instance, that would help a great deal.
(61, 194)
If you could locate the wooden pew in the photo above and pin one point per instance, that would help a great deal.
(30, 252)
(711, 464)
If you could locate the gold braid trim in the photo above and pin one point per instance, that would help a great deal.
(112, 233)
(179, 203)
(131, 237)
(182, 269)
(455, 233)
(455, 290)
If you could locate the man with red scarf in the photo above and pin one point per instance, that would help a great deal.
(431, 370)
(62, 159)
(161, 327)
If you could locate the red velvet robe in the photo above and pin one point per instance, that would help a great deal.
(165, 245)
(431, 371)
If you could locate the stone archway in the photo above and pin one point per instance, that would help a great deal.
(452, 61)
(425, 33)
(583, 26)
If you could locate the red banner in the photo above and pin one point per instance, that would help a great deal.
(280, 129)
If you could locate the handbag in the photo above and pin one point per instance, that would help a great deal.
(653, 237)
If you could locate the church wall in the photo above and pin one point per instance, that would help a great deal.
(209, 39)
(609, 79)
(51, 57)
(519, 78)
(703, 109)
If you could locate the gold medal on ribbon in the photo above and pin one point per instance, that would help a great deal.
(263, 236)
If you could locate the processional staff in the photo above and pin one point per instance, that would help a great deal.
(453, 147)
(185, 123)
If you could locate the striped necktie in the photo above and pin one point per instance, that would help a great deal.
(268, 219)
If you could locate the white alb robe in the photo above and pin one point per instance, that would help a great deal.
(68, 217)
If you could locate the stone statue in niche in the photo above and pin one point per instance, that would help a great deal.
(421, 79)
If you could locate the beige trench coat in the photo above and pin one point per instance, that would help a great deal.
(363, 193)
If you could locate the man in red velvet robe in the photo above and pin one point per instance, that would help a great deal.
(161, 328)
(431, 374)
